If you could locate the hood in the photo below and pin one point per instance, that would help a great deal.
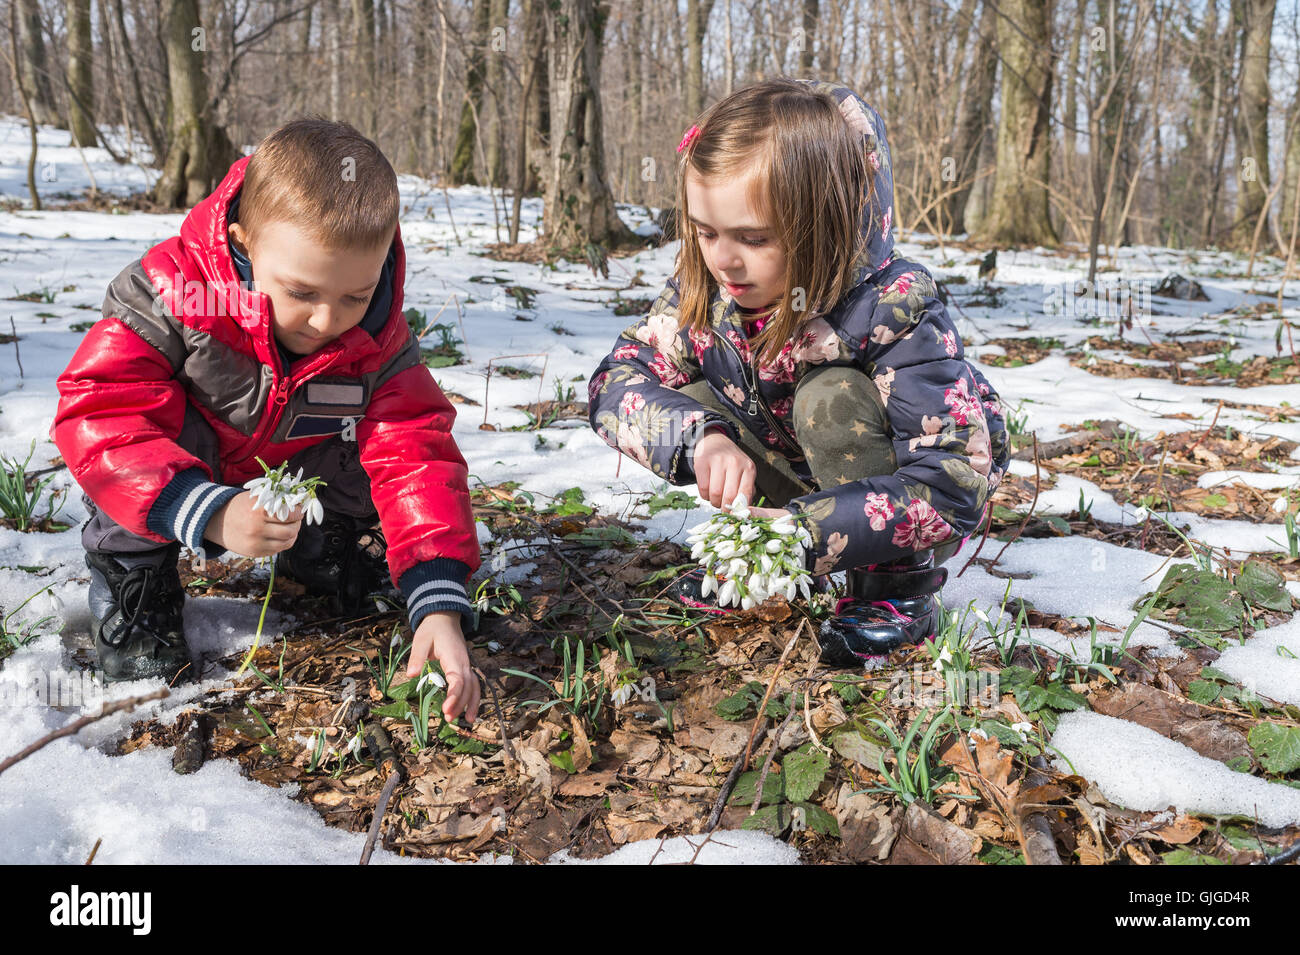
(878, 215)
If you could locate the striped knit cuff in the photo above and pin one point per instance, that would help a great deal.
(437, 584)
(185, 506)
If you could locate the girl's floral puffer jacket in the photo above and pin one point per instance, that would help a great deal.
(949, 435)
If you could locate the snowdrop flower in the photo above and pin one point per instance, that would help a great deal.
(355, 746)
(945, 657)
(727, 595)
(977, 733)
(783, 526)
(774, 547)
(740, 507)
(737, 568)
(53, 605)
(750, 534)
(981, 615)
(1141, 514)
(1281, 504)
(431, 677)
(621, 695)
(709, 585)
(493, 646)
(1020, 729)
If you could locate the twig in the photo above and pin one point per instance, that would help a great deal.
(17, 354)
(1215, 419)
(91, 858)
(385, 757)
(767, 762)
(1032, 505)
(108, 709)
(505, 733)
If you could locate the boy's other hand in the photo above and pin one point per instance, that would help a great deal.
(439, 637)
(722, 470)
(249, 530)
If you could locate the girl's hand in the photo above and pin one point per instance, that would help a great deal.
(439, 632)
(723, 470)
(767, 512)
(249, 530)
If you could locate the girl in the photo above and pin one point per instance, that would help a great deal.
(794, 354)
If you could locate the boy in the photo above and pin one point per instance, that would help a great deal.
(198, 369)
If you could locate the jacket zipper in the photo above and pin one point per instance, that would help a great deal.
(756, 404)
(281, 386)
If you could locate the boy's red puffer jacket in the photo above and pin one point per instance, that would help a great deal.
(182, 335)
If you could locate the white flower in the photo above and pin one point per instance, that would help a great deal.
(803, 586)
(431, 677)
(709, 585)
(750, 533)
(981, 615)
(622, 694)
(315, 512)
(1281, 504)
(727, 595)
(774, 546)
(53, 604)
(493, 646)
(1020, 729)
(945, 657)
(783, 526)
(737, 568)
(977, 733)
(1141, 514)
(740, 506)
(355, 746)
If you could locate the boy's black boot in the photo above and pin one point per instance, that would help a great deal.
(688, 590)
(887, 606)
(136, 604)
(343, 557)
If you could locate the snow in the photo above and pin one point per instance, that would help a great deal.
(728, 847)
(145, 813)
(1139, 769)
(1268, 664)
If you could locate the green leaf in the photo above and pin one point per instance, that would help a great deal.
(1262, 585)
(1187, 857)
(1214, 500)
(994, 854)
(402, 691)
(1276, 747)
(735, 707)
(819, 820)
(396, 711)
(1063, 698)
(1202, 691)
(773, 820)
(773, 788)
(804, 772)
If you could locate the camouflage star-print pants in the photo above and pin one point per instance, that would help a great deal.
(842, 427)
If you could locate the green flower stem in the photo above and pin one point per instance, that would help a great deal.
(257, 639)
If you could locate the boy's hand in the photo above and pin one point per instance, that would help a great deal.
(439, 632)
(722, 470)
(249, 530)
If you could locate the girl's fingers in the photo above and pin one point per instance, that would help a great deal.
(419, 653)
(732, 487)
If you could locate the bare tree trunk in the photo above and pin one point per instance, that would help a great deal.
(363, 64)
(537, 131)
(198, 151)
(34, 64)
(462, 158)
(580, 220)
(81, 74)
(697, 19)
(334, 42)
(1255, 20)
(495, 112)
(1019, 213)
(811, 16)
(14, 56)
(976, 117)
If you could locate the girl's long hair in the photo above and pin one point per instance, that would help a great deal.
(812, 181)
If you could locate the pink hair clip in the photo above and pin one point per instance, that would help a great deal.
(689, 138)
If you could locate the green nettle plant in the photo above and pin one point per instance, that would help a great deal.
(278, 493)
(747, 559)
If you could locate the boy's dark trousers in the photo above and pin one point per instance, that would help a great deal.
(337, 462)
(842, 427)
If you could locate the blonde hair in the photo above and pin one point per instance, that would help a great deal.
(811, 183)
(327, 179)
